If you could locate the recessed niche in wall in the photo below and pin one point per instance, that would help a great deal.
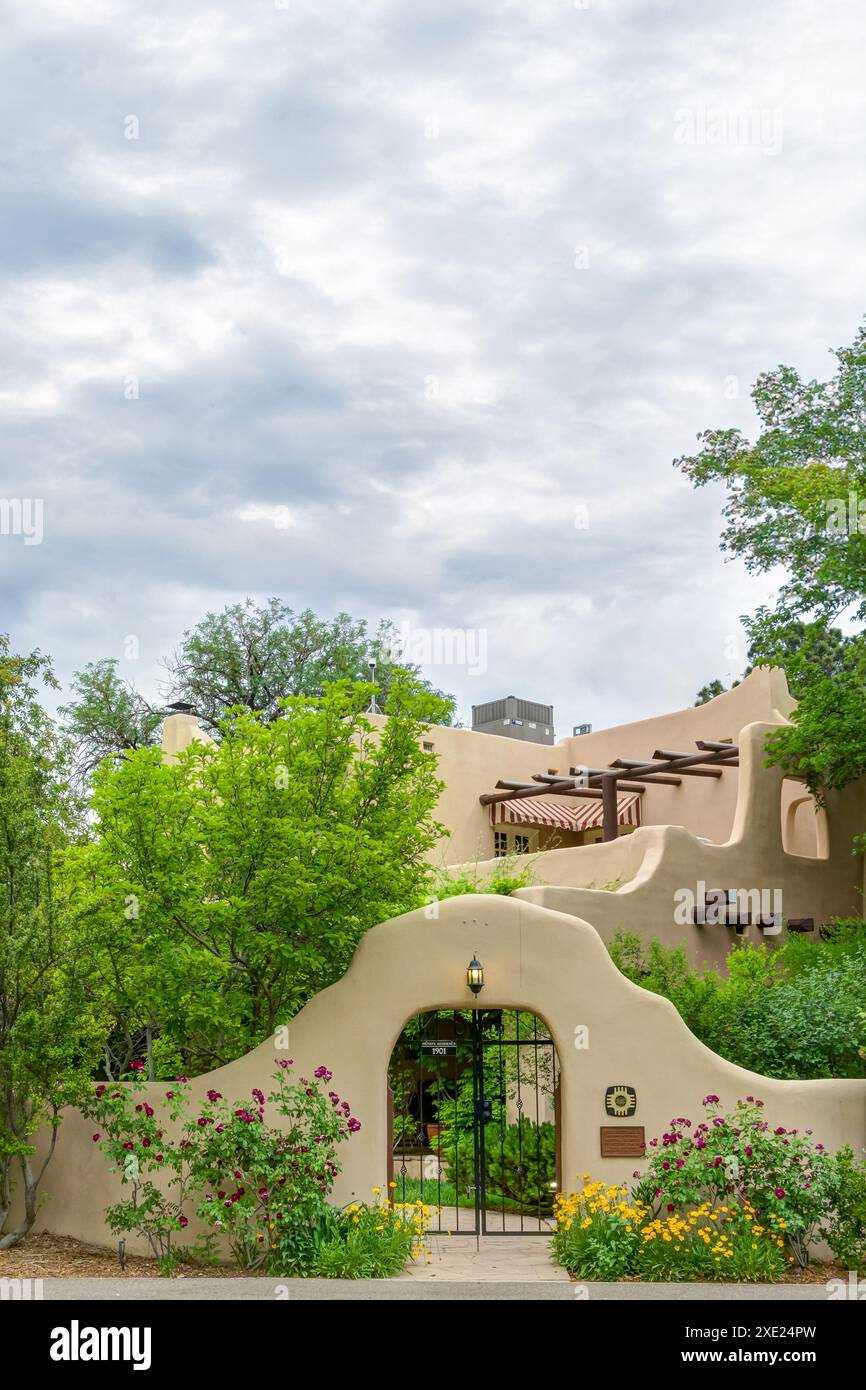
(804, 825)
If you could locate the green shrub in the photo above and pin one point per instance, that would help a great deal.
(787, 1179)
(796, 1012)
(795, 1026)
(845, 1230)
(520, 1164)
(597, 1234)
(261, 1186)
(505, 878)
(372, 1241)
(667, 972)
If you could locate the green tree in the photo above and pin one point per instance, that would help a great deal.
(247, 655)
(227, 888)
(803, 652)
(256, 656)
(48, 1037)
(709, 692)
(107, 716)
(796, 499)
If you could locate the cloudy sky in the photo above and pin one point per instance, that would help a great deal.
(406, 310)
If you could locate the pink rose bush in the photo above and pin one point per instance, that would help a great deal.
(257, 1171)
(740, 1157)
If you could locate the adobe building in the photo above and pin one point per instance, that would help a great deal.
(685, 809)
(618, 826)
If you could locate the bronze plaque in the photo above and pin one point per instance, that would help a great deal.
(622, 1141)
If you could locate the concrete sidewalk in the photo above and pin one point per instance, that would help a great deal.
(85, 1291)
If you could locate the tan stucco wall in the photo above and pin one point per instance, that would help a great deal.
(179, 731)
(549, 962)
(654, 862)
(471, 764)
(746, 815)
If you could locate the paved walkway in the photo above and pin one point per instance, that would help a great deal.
(82, 1292)
(503, 1259)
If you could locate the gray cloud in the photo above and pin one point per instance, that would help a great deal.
(380, 301)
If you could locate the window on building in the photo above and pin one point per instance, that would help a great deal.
(521, 844)
(428, 747)
(500, 843)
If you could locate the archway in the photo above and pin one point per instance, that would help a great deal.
(473, 1105)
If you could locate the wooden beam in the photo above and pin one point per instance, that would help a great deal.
(692, 760)
(513, 791)
(596, 792)
(595, 774)
(490, 797)
(710, 758)
(710, 747)
(681, 766)
(708, 762)
(610, 819)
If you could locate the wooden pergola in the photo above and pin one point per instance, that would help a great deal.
(664, 769)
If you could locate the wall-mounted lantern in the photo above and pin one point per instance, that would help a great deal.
(475, 975)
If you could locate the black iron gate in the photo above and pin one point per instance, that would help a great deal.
(473, 1121)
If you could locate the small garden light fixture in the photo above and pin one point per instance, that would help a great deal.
(475, 975)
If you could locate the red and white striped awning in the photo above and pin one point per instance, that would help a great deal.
(582, 813)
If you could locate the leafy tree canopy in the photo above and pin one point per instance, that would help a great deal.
(247, 655)
(256, 656)
(224, 889)
(107, 715)
(48, 1039)
(709, 692)
(796, 500)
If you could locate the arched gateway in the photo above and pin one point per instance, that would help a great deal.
(472, 1119)
(612, 1039)
(626, 1062)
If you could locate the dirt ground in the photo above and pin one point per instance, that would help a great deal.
(45, 1256)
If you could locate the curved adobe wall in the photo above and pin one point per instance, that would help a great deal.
(535, 959)
(656, 861)
(471, 763)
